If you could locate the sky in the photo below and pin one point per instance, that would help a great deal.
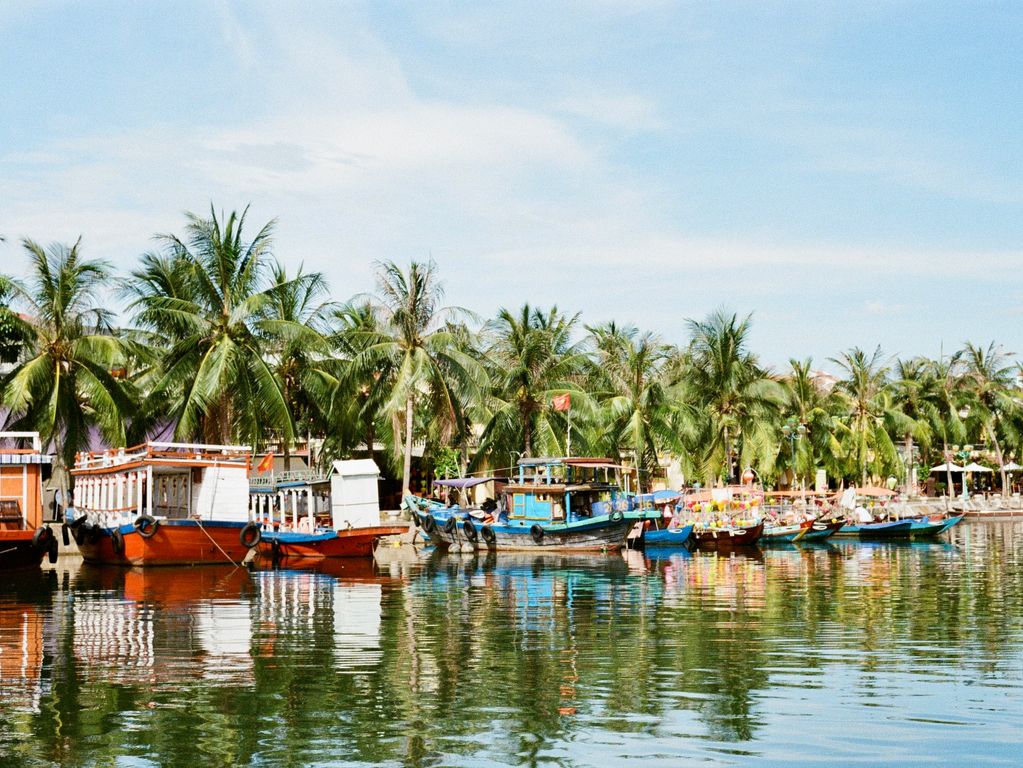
(850, 173)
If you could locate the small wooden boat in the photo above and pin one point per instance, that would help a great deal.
(728, 536)
(24, 540)
(822, 529)
(924, 527)
(784, 533)
(668, 537)
(892, 529)
(354, 542)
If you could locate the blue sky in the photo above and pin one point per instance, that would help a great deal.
(848, 172)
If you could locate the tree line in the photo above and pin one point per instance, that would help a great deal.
(218, 342)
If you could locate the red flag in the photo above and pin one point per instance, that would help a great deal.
(562, 402)
(267, 463)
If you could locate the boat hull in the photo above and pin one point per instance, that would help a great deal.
(590, 535)
(925, 528)
(17, 551)
(895, 529)
(175, 542)
(720, 538)
(355, 542)
(820, 531)
(667, 537)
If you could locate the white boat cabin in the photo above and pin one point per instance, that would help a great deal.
(297, 500)
(164, 480)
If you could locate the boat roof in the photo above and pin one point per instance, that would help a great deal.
(588, 462)
(21, 456)
(469, 482)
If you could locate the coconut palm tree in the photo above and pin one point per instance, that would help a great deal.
(868, 411)
(912, 389)
(726, 383)
(62, 384)
(989, 377)
(531, 358)
(639, 412)
(413, 341)
(209, 295)
(806, 403)
(296, 325)
(945, 400)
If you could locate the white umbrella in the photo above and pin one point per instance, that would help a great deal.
(1012, 466)
(946, 468)
(975, 467)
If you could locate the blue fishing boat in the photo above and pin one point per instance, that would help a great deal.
(925, 526)
(892, 529)
(667, 537)
(553, 504)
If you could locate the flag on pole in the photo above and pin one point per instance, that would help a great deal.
(562, 402)
(267, 463)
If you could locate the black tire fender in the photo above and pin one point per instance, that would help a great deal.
(54, 551)
(250, 535)
(617, 516)
(429, 524)
(42, 537)
(146, 525)
(488, 534)
(470, 531)
(450, 525)
(537, 533)
(117, 541)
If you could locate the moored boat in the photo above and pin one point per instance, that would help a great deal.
(308, 515)
(24, 540)
(890, 529)
(924, 527)
(730, 535)
(554, 503)
(164, 504)
(670, 536)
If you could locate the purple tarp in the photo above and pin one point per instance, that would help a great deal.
(468, 482)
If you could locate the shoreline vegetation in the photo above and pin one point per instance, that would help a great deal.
(221, 343)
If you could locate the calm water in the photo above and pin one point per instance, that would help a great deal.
(840, 654)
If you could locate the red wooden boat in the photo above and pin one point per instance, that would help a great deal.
(729, 536)
(24, 540)
(354, 542)
(164, 504)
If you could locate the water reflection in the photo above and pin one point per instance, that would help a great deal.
(814, 653)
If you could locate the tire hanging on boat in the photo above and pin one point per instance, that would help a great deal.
(94, 534)
(53, 551)
(537, 533)
(117, 541)
(450, 525)
(146, 525)
(250, 535)
(416, 519)
(470, 532)
(617, 516)
(429, 524)
(41, 538)
(488, 534)
(65, 533)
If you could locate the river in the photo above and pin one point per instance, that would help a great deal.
(836, 654)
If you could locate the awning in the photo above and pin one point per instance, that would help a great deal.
(946, 468)
(1012, 466)
(873, 490)
(468, 482)
(975, 467)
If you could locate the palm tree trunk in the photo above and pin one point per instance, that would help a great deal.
(406, 473)
(287, 455)
(910, 475)
(948, 476)
(527, 434)
(998, 458)
(728, 456)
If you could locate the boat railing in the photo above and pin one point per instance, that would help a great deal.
(220, 454)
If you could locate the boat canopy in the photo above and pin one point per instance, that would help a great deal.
(468, 482)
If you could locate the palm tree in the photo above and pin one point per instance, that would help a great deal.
(805, 402)
(15, 333)
(296, 324)
(912, 388)
(726, 383)
(868, 410)
(414, 343)
(209, 295)
(944, 401)
(989, 377)
(62, 386)
(531, 358)
(638, 409)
